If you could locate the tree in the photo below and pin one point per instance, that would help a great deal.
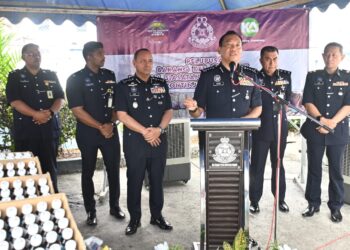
(8, 62)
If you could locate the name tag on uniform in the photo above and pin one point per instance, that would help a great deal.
(47, 82)
(49, 94)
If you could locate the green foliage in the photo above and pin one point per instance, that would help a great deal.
(68, 123)
(240, 242)
(8, 62)
(176, 247)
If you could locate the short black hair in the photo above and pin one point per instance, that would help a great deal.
(228, 33)
(90, 47)
(268, 49)
(333, 44)
(28, 46)
(137, 52)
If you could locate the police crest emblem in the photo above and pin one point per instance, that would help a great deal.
(224, 152)
(202, 33)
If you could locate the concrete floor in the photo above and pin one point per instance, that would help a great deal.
(182, 210)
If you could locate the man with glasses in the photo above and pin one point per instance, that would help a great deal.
(36, 97)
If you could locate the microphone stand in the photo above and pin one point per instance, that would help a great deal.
(279, 103)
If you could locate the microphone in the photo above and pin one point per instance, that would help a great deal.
(232, 69)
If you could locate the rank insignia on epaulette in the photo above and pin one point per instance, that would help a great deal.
(340, 83)
(209, 68)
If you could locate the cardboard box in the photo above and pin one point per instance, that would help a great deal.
(36, 180)
(34, 201)
(15, 161)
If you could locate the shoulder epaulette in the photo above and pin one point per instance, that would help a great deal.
(345, 71)
(254, 70)
(283, 71)
(127, 80)
(47, 71)
(158, 79)
(209, 68)
(15, 71)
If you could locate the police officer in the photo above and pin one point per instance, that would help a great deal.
(90, 94)
(265, 139)
(327, 98)
(36, 97)
(144, 107)
(217, 94)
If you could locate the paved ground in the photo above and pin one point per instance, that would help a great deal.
(182, 210)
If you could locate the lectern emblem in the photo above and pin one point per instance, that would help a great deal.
(224, 152)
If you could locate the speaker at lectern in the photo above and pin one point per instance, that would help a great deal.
(224, 168)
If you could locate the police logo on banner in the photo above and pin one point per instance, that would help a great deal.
(202, 33)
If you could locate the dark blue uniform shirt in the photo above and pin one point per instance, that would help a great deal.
(329, 93)
(146, 102)
(220, 98)
(95, 93)
(279, 83)
(39, 92)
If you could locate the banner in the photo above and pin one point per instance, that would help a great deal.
(184, 43)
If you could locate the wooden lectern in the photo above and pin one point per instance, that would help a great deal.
(224, 185)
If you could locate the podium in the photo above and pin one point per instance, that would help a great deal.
(224, 178)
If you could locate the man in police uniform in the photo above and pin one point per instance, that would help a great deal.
(217, 94)
(265, 139)
(36, 97)
(327, 98)
(144, 107)
(90, 94)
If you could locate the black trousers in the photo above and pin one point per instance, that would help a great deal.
(46, 150)
(335, 155)
(110, 149)
(136, 173)
(257, 168)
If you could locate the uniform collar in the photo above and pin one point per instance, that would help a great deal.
(337, 72)
(275, 74)
(87, 69)
(25, 70)
(223, 68)
(139, 80)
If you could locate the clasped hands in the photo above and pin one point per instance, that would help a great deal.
(151, 135)
(42, 116)
(106, 130)
(329, 123)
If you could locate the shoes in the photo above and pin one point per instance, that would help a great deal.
(91, 219)
(117, 213)
(132, 227)
(310, 210)
(161, 223)
(336, 215)
(254, 208)
(283, 207)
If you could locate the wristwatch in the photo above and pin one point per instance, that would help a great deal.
(162, 130)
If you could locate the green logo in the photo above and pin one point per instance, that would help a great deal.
(249, 27)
